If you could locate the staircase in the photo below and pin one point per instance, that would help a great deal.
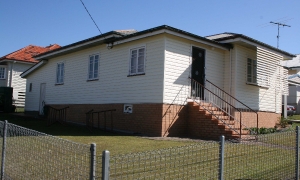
(213, 112)
(209, 122)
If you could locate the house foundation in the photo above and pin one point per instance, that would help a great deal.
(159, 119)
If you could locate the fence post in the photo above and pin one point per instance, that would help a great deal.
(105, 165)
(93, 162)
(297, 154)
(3, 149)
(221, 157)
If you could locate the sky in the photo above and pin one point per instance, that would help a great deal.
(45, 22)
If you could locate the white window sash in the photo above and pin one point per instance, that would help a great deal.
(251, 71)
(93, 67)
(60, 73)
(137, 61)
(2, 72)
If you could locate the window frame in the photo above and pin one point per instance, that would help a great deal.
(4, 72)
(62, 73)
(30, 87)
(136, 66)
(251, 77)
(89, 67)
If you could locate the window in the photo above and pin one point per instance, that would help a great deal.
(137, 61)
(251, 71)
(2, 72)
(60, 73)
(93, 67)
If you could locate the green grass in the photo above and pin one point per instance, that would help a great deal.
(113, 142)
(273, 157)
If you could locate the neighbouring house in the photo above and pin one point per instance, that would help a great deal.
(163, 82)
(293, 67)
(15, 63)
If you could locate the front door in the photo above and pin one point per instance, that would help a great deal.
(42, 98)
(198, 72)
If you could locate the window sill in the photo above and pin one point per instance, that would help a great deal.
(57, 84)
(136, 74)
(255, 84)
(92, 80)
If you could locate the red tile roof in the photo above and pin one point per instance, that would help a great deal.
(26, 54)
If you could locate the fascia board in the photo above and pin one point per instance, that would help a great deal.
(17, 61)
(73, 47)
(239, 39)
(168, 32)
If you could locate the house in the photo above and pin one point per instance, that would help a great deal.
(15, 63)
(163, 81)
(293, 67)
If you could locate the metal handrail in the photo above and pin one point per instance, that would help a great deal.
(56, 115)
(90, 118)
(230, 98)
(219, 102)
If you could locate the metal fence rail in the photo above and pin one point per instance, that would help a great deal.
(28, 154)
(187, 162)
(33, 155)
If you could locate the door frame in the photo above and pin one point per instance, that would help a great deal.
(204, 66)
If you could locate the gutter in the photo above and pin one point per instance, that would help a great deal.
(33, 68)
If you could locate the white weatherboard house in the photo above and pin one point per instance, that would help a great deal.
(15, 63)
(163, 82)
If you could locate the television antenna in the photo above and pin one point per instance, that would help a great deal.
(279, 24)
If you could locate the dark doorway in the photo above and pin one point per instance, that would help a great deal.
(198, 72)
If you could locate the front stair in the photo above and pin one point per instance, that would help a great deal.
(209, 122)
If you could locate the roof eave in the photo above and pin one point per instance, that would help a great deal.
(16, 60)
(237, 38)
(33, 68)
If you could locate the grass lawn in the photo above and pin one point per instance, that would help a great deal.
(113, 142)
(272, 157)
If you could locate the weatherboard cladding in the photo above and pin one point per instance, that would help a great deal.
(113, 85)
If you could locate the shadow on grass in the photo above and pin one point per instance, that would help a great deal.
(56, 129)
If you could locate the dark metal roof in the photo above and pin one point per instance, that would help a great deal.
(118, 35)
(228, 35)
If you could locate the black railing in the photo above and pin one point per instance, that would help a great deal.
(212, 96)
(55, 115)
(90, 119)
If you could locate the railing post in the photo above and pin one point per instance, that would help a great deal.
(3, 149)
(221, 157)
(240, 125)
(297, 154)
(105, 165)
(93, 162)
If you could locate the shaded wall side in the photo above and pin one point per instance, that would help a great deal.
(145, 119)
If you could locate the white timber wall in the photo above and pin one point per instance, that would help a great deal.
(264, 96)
(17, 83)
(178, 67)
(113, 85)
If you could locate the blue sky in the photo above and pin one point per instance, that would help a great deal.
(45, 22)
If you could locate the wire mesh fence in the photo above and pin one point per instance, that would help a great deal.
(33, 155)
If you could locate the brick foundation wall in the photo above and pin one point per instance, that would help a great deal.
(146, 119)
(163, 119)
(265, 119)
(174, 120)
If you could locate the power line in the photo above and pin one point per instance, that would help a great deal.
(91, 17)
(279, 24)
